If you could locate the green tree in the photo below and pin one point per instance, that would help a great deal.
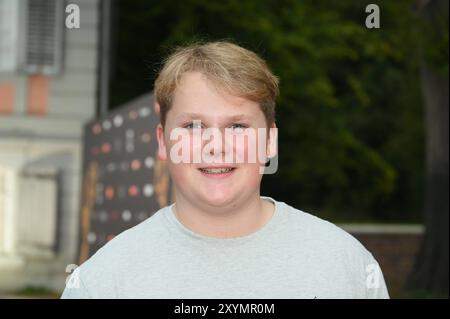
(349, 113)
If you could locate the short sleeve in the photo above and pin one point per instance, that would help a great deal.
(374, 280)
(75, 288)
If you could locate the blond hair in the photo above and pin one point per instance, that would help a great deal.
(233, 69)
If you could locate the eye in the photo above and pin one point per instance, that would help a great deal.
(238, 125)
(192, 125)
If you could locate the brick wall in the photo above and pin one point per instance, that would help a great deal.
(395, 253)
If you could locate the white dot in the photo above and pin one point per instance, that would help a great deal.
(142, 216)
(91, 237)
(148, 190)
(118, 120)
(149, 162)
(111, 167)
(103, 216)
(126, 215)
(129, 133)
(129, 147)
(144, 111)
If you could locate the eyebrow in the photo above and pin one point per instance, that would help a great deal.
(196, 116)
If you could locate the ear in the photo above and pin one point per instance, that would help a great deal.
(272, 145)
(162, 151)
(156, 107)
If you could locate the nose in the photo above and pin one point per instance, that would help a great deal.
(216, 145)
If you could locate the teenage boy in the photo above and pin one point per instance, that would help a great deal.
(221, 238)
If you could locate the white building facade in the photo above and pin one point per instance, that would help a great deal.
(48, 90)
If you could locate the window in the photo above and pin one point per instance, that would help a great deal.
(42, 36)
(31, 36)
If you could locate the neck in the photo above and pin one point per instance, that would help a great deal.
(234, 220)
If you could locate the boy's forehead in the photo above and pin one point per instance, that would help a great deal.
(196, 97)
(203, 103)
(195, 88)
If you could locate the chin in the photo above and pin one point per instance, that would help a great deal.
(218, 200)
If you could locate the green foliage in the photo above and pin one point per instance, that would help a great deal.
(434, 38)
(37, 292)
(349, 113)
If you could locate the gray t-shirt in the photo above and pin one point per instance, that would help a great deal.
(294, 255)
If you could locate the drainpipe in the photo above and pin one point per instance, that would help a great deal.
(104, 57)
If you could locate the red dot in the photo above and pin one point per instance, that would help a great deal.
(135, 165)
(97, 129)
(109, 237)
(106, 147)
(146, 137)
(109, 192)
(133, 190)
(133, 115)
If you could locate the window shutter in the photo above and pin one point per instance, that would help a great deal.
(42, 36)
(9, 23)
(37, 213)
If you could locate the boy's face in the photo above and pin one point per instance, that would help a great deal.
(209, 178)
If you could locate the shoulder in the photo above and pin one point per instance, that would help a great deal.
(322, 233)
(337, 251)
(130, 241)
(120, 255)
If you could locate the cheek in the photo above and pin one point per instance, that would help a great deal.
(252, 177)
(241, 152)
(179, 173)
(180, 149)
(244, 151)
(251, 151)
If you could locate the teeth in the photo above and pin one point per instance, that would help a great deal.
(216, 170)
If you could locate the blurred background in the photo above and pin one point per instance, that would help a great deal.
(362, 118)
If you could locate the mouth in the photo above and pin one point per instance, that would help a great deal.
(217, 172)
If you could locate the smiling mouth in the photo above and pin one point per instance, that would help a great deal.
(219, 170)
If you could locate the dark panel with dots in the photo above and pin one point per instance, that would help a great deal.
(124, 183)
